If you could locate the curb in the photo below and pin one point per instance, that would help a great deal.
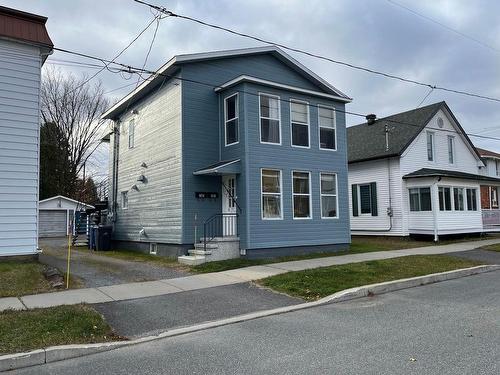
(59, 353)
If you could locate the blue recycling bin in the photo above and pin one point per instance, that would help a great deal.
(92, 237)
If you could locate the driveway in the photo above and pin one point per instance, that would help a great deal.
(447, 328)
(94, 269)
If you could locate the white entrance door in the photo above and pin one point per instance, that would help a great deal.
(229, 219)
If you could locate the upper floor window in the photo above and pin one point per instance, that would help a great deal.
(299, 114)
(327, 133)
(430, 146)
(271, 194)
(124, 200)
(497, 164)
(451, 149)
(328, 187)
(420, 199)
(269, 119)
(131, 133)
(301, 195)
(231, 119)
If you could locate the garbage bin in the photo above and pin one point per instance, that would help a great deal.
(92, 237)
(103, 237)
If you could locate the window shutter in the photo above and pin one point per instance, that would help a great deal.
(354, 188)
(373, 188)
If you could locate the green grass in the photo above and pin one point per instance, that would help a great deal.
(321, 282)
(495, 247)
(21, 278)
(34, 329)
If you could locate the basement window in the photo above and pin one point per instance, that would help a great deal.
(153, 248)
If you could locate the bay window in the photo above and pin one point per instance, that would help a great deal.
(471, 195)
(444, 198)
(420, 199)
(458, 198)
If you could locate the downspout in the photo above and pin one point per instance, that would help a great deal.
(116, 148)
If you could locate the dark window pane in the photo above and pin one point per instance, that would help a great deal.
(328, 184)
(270, 181)
(264, 106)
(300, 183)
(425, 199)
(270, 131)
(414, 200)
(232, 131)
(300, 135)
(327, 138)
(231, 107)
(301, 206)
(444, 199)
(328, 206)
(471, 200)
(458, 197)
(365, 199)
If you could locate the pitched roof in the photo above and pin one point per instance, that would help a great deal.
(367, 142)
(487, 153)
(170, 68)
(23, 26)
(429, 172)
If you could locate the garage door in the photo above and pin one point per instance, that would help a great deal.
(52, 223)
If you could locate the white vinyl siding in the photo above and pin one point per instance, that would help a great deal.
(299, 115)
(451, 149)
(301, 195)
(270, 119)
(430, 146)
(271, 194)
(327, 128)
(124, 197)
(131, 133)
(231, 120)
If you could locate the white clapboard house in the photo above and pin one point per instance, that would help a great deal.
(490, 190)
(415, 172)
(24, 46)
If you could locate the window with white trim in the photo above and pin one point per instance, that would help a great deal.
(430, 146)
(124, 196)
(451, 149)
(458, 199)
(271, 194)
(269, 119)
(327, 128)
(153, 248)
(471, 195)
(328, 191)
(301, 192)
(494, 196)
(231, 122)
(299, 114)
(131, 133)
(444, 198)
(497, 164)
(420, 199)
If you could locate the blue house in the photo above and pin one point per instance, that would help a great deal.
(228, 154)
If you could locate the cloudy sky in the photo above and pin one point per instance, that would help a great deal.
(373, 33)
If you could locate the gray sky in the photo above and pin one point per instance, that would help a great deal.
(371, 33)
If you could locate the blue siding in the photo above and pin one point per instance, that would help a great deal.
(203, 144)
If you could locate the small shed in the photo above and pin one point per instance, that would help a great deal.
(55, 215)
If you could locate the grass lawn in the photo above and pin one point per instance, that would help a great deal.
(34, 329)
(495, 247)
(22, 278)
(321, 282)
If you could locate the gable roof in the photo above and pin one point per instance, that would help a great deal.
(170, 68)
(66, 199)
(487, 153)
(367, 142)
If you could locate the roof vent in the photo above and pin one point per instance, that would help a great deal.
(371, 118)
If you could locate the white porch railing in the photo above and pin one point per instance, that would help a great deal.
(491, 217)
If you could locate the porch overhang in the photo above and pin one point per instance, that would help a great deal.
(428, 172)
(221, 168)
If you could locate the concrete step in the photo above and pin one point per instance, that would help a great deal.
(222, 239)
(191, 260)
(210, 245)
(199, 252)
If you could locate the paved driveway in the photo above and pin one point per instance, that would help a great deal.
(94, 269)
(451, 328)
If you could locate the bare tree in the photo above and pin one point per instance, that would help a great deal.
(75, 106)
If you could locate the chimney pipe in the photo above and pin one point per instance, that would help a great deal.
(371, 118)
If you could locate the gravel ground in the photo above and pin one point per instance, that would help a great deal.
(98, 270)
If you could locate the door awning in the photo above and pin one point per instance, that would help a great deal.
(219, 169)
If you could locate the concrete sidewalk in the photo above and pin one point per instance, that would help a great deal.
(122, 292)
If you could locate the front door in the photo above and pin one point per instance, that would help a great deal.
(229, 219)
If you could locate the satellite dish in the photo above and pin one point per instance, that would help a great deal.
(440, 122)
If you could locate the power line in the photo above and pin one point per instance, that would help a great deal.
(153, 74)
(425, 97)
(475, 40)
(338, 62)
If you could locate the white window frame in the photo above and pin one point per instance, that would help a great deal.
(153, 248)
(358, 192)
(280, 193)
(494, 189)
(444, 202)
(334, 127)
(226, 120)
(451, 142)
(419, 188)
(329, 195)
(433, 145)
(131, 133)
(302, 195)
(464, 198)
(466, 203)
(299, 123)
(269, 118)
(124, 202)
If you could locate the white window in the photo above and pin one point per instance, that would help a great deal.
(301, 192)
(365, 199)
(131, 133)
(494, 196)
(471, 195)
(328, 186)
(153, 248)
(271, 194)
(299, 114)
(420, 199)
(497, 164)
(231, 119)
(430, 146)
(327, 132)
(124, 200)
(458, 199)
(269, 119)
(451, 149)
(444, 198)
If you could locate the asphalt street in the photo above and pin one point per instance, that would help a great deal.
(451, 327)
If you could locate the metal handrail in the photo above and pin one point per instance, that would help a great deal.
(214, 227)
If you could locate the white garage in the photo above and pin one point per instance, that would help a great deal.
(55, 215)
